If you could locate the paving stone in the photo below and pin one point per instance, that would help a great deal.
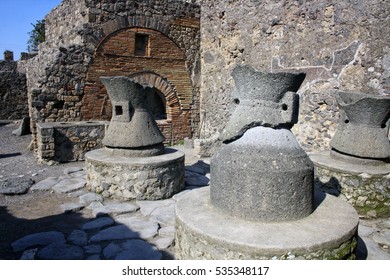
(366, 230)
(56, 251)
(163, 243)
(69, 185)
(195, 169)
(98, 223)
(131, 250)
(79, 174)
(90, 197)
(114, 233)
(78, 193)
(177, 196)
(382, 237)
(374, 252)
(385, 224)
(115, 209)
(78, 238)
(92, 249)
(145, 228)
(15, 186)
(29, 254)
(94, 258)
(71, 207)
(168, 231)
(38, 239)
(164, 215)
(148, 206)
(70, 170)
(197, 181)
(45, 184)
(95, 205)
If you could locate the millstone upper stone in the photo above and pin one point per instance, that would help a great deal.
(266, 99)
(363, 126)
(132, 125)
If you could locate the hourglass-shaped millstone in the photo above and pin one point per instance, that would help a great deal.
(266, 99)
(363, 126)
(132, 125)
(261, 173)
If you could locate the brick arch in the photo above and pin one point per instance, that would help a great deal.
(173, 104)
(120, 23)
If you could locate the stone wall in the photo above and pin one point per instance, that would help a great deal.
(63, 73)
(13, 89)
(64, 142)
(340, 45)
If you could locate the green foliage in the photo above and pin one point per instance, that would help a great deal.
(37, 36)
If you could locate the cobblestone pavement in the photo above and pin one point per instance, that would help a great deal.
(132, 230)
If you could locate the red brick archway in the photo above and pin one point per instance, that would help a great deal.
(157, 61)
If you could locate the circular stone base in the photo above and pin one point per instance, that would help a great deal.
(330, 232)
(142, 178)
(365, 186)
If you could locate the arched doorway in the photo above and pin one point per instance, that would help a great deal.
(151, 58)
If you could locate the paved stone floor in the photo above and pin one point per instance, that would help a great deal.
(141, 229)
(136, 229)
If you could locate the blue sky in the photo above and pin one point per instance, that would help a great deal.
(15, 22)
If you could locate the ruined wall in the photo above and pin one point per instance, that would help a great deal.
(57, 77)
(13, 91)
(340, 45)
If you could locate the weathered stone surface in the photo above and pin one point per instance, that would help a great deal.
(131, 250)
(265, 176)
(147, 207)
(115, 209)
(69, 185)
(142, 178)
(24, 127)
(29, 254)
(15, 186)
(132, 125)
(266, 99)
(330, 232)
(164, 215)
(382, 237)
(71, 207)
(90, 197)
(70, 170)
(98, 223)
(114, 233)
(92, 249)
(163, 243)
(364, 125)
(58, 251)
(38, 239)
(45, 184)
(78, 238)
(145, 228)
(366, 187)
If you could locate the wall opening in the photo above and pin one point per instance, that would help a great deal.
(141, 44)
(155, 102)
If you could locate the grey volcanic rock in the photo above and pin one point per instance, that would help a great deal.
(263, 176)
(38, 239)
(266, 99)
(132, 125)
(363, 125)
(12, 186)
(58, 251)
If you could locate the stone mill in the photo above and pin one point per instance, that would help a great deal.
(358, 164)
(261, 202)
(134, 164)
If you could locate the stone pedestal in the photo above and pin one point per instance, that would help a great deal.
(142, 178)
(365, 185)
(261, 203)
(204, 232)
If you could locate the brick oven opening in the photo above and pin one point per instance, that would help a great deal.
(155, 102)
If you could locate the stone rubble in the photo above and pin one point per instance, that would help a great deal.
(143, 229)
